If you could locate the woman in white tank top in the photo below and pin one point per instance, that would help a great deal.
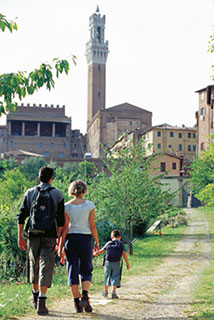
(78, 243)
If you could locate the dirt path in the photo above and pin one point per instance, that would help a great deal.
(164, 294)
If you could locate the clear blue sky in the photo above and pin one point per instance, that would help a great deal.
(158, 52)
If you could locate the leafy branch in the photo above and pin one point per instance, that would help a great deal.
(4, 23)
(18, 85)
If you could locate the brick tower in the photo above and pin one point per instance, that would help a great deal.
(96, 54)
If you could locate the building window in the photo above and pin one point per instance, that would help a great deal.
(2, 133)
(60, 129)
(194, 148)
(189, 147)
(52, 146)
(194, 135)
(202, 128)
(46, 129)
(16, 128)
(162, 166)
(180, 147)
(179, 135)
(130, 123)
(75, 145)
(202, 95)
(64, 145)
(174, 166)
(11, 145)
(202, 112)
(202, 146)
(189, 135)
(169, 146)
(60, 154)
(41, 145)
(171, 134)
(159, 146)
(159, 133)
(31, 128)
(98, 94)
(45, 154)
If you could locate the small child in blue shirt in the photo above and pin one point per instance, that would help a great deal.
(114, 249)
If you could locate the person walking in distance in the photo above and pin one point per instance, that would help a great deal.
(44, 208)
(78, 244)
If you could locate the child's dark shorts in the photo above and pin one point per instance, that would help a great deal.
(112, 273)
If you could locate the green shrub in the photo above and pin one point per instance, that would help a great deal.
(206, 195)
(12, 259)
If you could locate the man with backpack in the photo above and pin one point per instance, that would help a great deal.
(44, 208)
(114, 250)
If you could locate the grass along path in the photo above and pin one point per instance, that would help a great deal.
(163, 291)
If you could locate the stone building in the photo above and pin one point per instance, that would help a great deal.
(205, 117)
(181, 141)
(104, 126)
(42, 130)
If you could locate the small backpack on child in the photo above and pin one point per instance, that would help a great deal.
(113, 251)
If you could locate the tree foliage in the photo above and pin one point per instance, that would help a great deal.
(7, 24)
(202, 175)
(202, 170)
(17, 85)
(130, 195)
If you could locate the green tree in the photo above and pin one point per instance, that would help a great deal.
(30, 168)
(17, 85)
(12, 184)
(72, 171)
(202, 169)
(130, 195)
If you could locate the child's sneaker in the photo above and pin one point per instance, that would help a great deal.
(105, 294)
(114, 295)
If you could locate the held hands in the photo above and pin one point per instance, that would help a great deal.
(127, 266)
(96, 249)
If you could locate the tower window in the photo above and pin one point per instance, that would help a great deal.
(99, 34)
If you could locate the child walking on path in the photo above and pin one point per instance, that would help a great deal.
(114, 249)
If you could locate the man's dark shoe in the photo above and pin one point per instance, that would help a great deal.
(34, 299)
(84, 303)
(41, 308)
(77, 307)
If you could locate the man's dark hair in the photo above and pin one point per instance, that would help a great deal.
(115, 233)
(45, 174)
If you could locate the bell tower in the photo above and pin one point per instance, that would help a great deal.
(96, 55)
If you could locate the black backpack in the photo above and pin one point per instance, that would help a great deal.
(113, 251)
(42, 211)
